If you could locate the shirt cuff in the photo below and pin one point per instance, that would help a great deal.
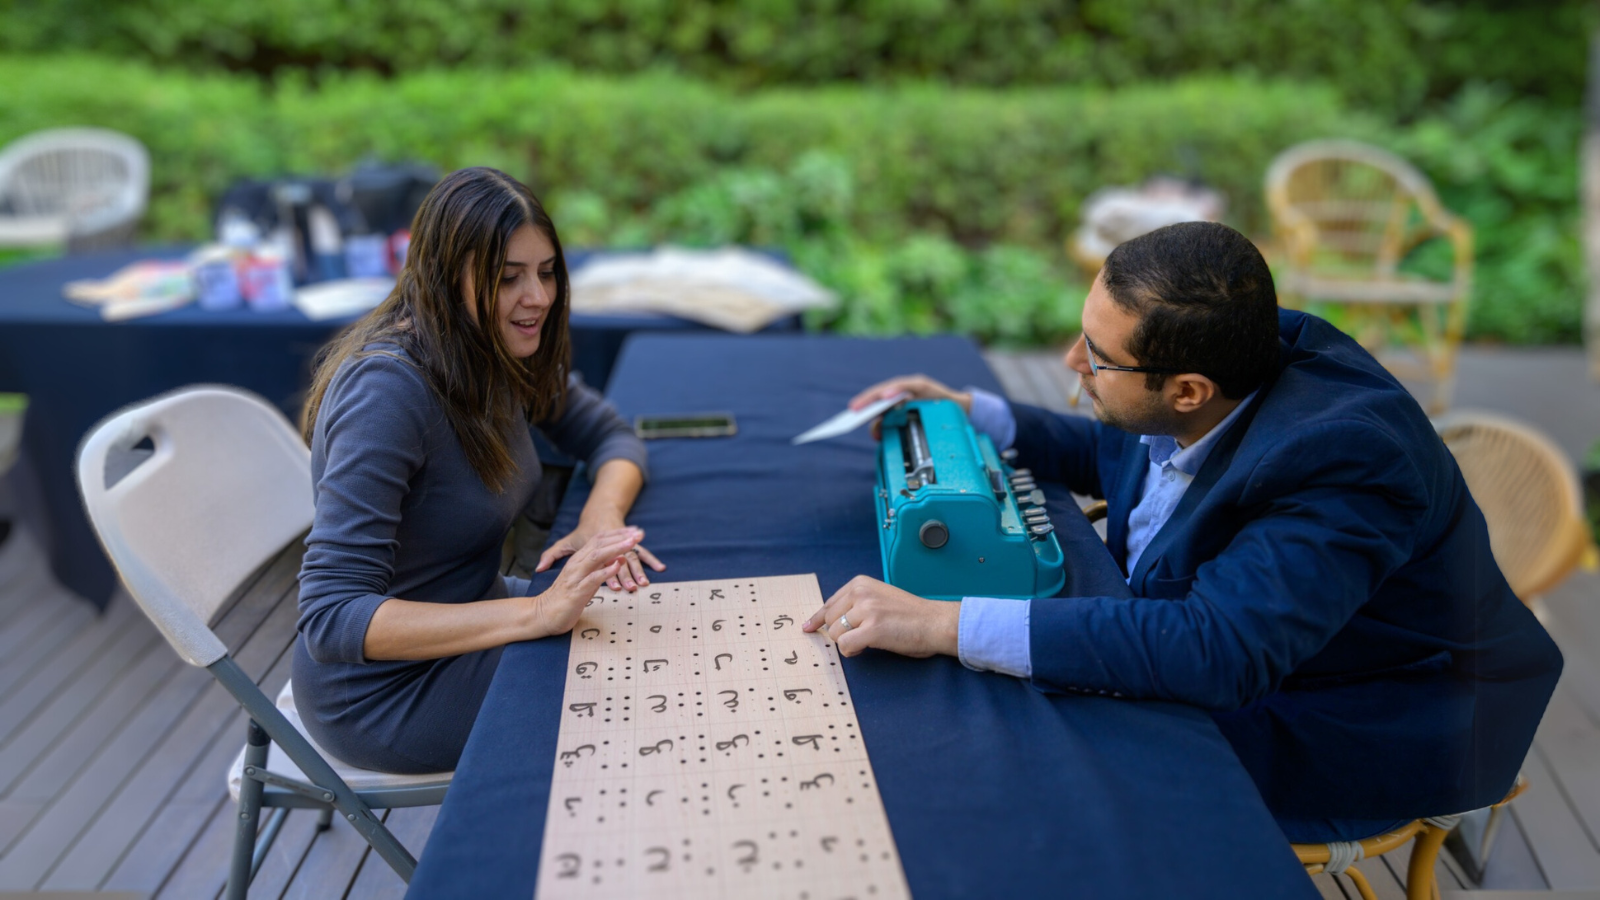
(991, 414)
(993, 636)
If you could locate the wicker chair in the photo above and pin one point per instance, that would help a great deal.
(1347, 215)
(82, 187)
(1530, 497)
(1529, 494)
(1421, 883)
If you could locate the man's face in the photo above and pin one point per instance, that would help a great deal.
(1120, 399)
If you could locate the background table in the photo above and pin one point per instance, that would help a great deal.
(77, 369)
(993, 789)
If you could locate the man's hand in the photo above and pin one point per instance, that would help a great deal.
(918, 387)
(878, 615)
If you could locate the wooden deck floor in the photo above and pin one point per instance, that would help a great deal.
(113, 753)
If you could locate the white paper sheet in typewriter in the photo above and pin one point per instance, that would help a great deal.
(709, 748)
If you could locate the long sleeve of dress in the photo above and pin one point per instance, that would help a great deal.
(371, 438)
(591, 429)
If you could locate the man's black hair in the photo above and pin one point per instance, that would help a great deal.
(1205, 302)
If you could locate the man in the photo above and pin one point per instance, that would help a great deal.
(1304, 557)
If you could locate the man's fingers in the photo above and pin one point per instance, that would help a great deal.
(853, 641)
(820, 617)
(844, 622)
(813, 623)
(872, 393)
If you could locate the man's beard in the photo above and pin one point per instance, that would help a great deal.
(1150, 416)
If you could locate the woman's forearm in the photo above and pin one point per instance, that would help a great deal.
(406, 629)
(616, 485)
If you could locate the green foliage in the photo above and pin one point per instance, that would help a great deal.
(925, 207)
(1366, 47)
(1509, 166)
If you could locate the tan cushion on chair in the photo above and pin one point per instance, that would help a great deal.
(359, 780)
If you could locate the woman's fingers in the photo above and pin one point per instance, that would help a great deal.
(593, 580)
(610, 545)
(556, 551)
(651, 560)
(625, 574)
(601, 552)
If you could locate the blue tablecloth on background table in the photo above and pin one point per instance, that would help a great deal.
(77, 369)
(992, 788)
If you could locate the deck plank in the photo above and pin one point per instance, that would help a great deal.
(78, 799)
(33, 719)
(1331, 888)
(376, 881)
(145, 783)
(1570, 742)
(203, 711)
(1560, 845)
(29, 620)
(60, 746)
(15, 815)
(165, 841)
(197, 750)
(43, 686)
(331, 865)
(43, 645)
(288, 854)
(202, 870)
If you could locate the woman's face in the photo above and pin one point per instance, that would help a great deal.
(527, 290)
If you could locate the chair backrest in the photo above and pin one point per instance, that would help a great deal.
(1350, 203)
(222, 485)
(1528, 492)
(96, 178)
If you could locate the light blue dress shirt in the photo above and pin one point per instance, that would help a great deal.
(993, 634)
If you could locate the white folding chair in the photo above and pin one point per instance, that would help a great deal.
(191, 493)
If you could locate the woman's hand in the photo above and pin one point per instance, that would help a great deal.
(630, 577)
(599, 559)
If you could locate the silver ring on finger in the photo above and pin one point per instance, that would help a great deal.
(845, 624)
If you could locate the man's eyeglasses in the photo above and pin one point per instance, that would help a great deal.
(1096, 367)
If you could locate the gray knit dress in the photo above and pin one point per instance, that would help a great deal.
(400, 513)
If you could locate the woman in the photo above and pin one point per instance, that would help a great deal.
(418, 420)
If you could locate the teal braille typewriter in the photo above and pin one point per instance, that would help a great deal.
(954, 519)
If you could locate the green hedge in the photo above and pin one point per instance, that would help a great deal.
(927, 207)
(1369, 49)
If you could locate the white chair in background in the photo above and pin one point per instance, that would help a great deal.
(82, 187)
(191, 493)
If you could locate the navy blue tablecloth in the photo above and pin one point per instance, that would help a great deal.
(77, 368)
(992, 789)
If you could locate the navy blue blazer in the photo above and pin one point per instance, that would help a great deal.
(1325, 588)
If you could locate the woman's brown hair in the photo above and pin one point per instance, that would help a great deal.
(466, 221)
